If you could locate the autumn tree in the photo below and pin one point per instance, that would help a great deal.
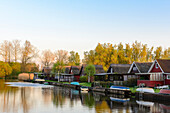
(27, 54)
(150, 55)
(158, 52)
(89, 57)
(128, 54)
(5, 69)
(136, 47)
(74, 58)
(47, 58)
(61, 56)
(5, 50)
(143, 53)
(16, 68)
(16, 49)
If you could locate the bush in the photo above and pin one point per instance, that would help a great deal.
(83, 79)
(130, 82)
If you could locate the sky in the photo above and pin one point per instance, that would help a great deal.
(79, 25)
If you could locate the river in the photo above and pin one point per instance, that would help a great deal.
(19, 97)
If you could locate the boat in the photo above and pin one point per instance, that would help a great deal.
(75, 83)
(165, 91)
(119, 88)
(119, 99)
(145, 90)
(46, 83)
(84, 88)
(163, 87)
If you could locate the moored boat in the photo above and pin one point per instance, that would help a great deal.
(84, 88)
(119, 88)
(75, 83)
(145, 90)
(165, 91)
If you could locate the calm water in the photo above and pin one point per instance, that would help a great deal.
(32, 98)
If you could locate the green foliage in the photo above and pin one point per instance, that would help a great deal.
(83, 79)
(58, 66)
(130, 82)
(5, 69)
(16, 68)
(74, 58)
(90, 70)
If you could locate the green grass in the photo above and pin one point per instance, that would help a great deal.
(86, 84)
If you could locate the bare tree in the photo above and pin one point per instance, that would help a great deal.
(6, 50)
(16, 49)
(28, 53)
(47, 58)
(61, 56)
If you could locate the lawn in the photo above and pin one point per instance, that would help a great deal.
(86, 84)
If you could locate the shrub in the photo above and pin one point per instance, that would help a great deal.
(83, 79)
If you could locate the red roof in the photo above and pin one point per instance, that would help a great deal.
(164, 64)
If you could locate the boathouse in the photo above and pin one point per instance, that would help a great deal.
(75, 70)
(140, 69)
(116, 73)
(66, 76)
(157, 75)
(46, 71)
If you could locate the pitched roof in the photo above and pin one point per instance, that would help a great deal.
(99, 69)
(144, 66)
(165, 64)
(82, 70)
(119, 68)
(67, 69)
(75, 69)
(46, 70)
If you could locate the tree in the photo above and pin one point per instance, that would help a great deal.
(149, 56)
(61, 56)
(136, 47)
(90, 71)
(47, 58)
(158, 52)
(74, 58)
(128, 54)
(89, 57)
(143, 53)
(16, 49)
(16, 68)
(6, 49)
(58, 67)
(5, 69)
(27, 54)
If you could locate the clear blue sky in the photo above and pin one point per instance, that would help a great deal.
(80, 24)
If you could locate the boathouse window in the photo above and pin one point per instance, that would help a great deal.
(134, 69)
(156, 65)
(168, 76)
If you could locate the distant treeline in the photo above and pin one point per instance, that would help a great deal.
(28, 58)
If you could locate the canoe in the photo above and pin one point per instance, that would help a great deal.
(145, 90)
(119, 88)
(165, 91)
(75, 83)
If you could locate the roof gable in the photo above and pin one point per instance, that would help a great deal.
(119, 68)
(164, 65)
(152, 68)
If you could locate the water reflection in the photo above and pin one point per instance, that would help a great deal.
(58, 99)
